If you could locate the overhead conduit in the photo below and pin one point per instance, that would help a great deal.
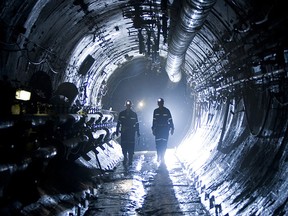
(192, 17)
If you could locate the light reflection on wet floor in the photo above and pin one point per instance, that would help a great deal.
(147, 188)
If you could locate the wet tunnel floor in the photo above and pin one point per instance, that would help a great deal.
(147, 188)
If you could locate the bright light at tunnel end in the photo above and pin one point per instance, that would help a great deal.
(140, 104)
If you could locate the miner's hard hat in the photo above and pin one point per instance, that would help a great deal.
(161, 100)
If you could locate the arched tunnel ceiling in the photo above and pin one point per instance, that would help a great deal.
(57, 36)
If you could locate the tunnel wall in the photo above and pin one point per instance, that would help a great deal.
(237, 155)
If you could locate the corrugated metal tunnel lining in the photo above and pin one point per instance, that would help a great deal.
(73, 56)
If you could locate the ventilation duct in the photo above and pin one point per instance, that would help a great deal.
(192, 17)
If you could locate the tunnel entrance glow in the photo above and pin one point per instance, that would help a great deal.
(143, 85)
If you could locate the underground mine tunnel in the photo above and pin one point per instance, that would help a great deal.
(68, 66)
